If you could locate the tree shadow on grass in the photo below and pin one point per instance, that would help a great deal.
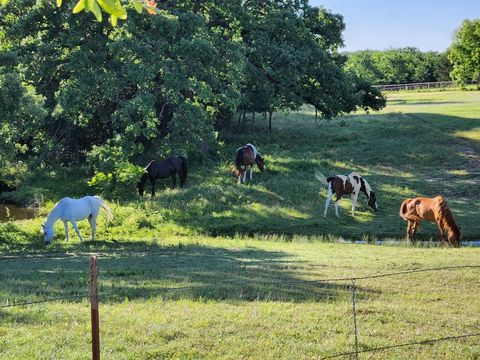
(174, 272)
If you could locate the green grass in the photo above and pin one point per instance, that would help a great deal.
(243, 298)
(219, 270)
(422, 144)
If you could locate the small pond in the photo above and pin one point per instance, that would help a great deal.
(15, 212)
(468, 243)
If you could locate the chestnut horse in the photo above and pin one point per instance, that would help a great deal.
(340, 185)
(245, 157)
(436, 209)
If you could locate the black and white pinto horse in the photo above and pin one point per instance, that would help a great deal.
(340, 185)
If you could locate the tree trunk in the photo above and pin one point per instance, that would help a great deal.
(270, 120)
(253, 117)
(244, 117)
(240, 117)
(316, 111)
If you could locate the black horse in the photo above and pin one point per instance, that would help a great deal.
(163, 169)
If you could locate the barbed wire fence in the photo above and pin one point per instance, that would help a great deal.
(94, 297)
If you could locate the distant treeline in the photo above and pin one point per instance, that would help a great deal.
(400, 66)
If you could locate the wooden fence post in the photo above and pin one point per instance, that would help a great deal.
(94, 308)
(354, 318)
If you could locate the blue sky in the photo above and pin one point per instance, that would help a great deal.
(383, 24)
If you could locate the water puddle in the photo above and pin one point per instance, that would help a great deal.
(15, 212)
(468, 243)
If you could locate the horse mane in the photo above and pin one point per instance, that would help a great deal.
(448, 218)
(368, 188)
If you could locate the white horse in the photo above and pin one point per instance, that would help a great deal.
(73, 210)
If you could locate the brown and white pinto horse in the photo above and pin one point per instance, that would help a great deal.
(340, 185)
(420, 208)
(245, 157)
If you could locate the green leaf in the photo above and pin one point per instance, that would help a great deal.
(113, 20)
(3, 2)
(59, 3)
(79, 7)
(96, 11)
(138, 5)
(113, 7)
(88, 4)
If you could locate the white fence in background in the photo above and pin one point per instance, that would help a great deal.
(416, 86)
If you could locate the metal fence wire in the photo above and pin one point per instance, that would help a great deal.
(353, 288)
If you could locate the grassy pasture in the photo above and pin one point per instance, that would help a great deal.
(422, 144)
(243, 298)
(224, 271)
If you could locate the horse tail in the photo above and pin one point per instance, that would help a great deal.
(104, 205)
(239, 160)
(320, 177)
(403, 209)
(184, 171)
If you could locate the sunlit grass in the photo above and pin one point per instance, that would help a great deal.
(470, 134)
(248, 259)
(242, 298)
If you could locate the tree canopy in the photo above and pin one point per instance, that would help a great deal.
(75, 89)
(465, 52)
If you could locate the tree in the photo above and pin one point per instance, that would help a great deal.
(364, 65)
(326, 27)
(292, 59)
(465, 52)
(276, 44)
(163, 83)
(112, 93)
(395, 66)
(112, 7)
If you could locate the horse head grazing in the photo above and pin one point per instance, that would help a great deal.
(260, 162)
(372, 201)
(141, 184)
(454, 238)
(48, 234)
